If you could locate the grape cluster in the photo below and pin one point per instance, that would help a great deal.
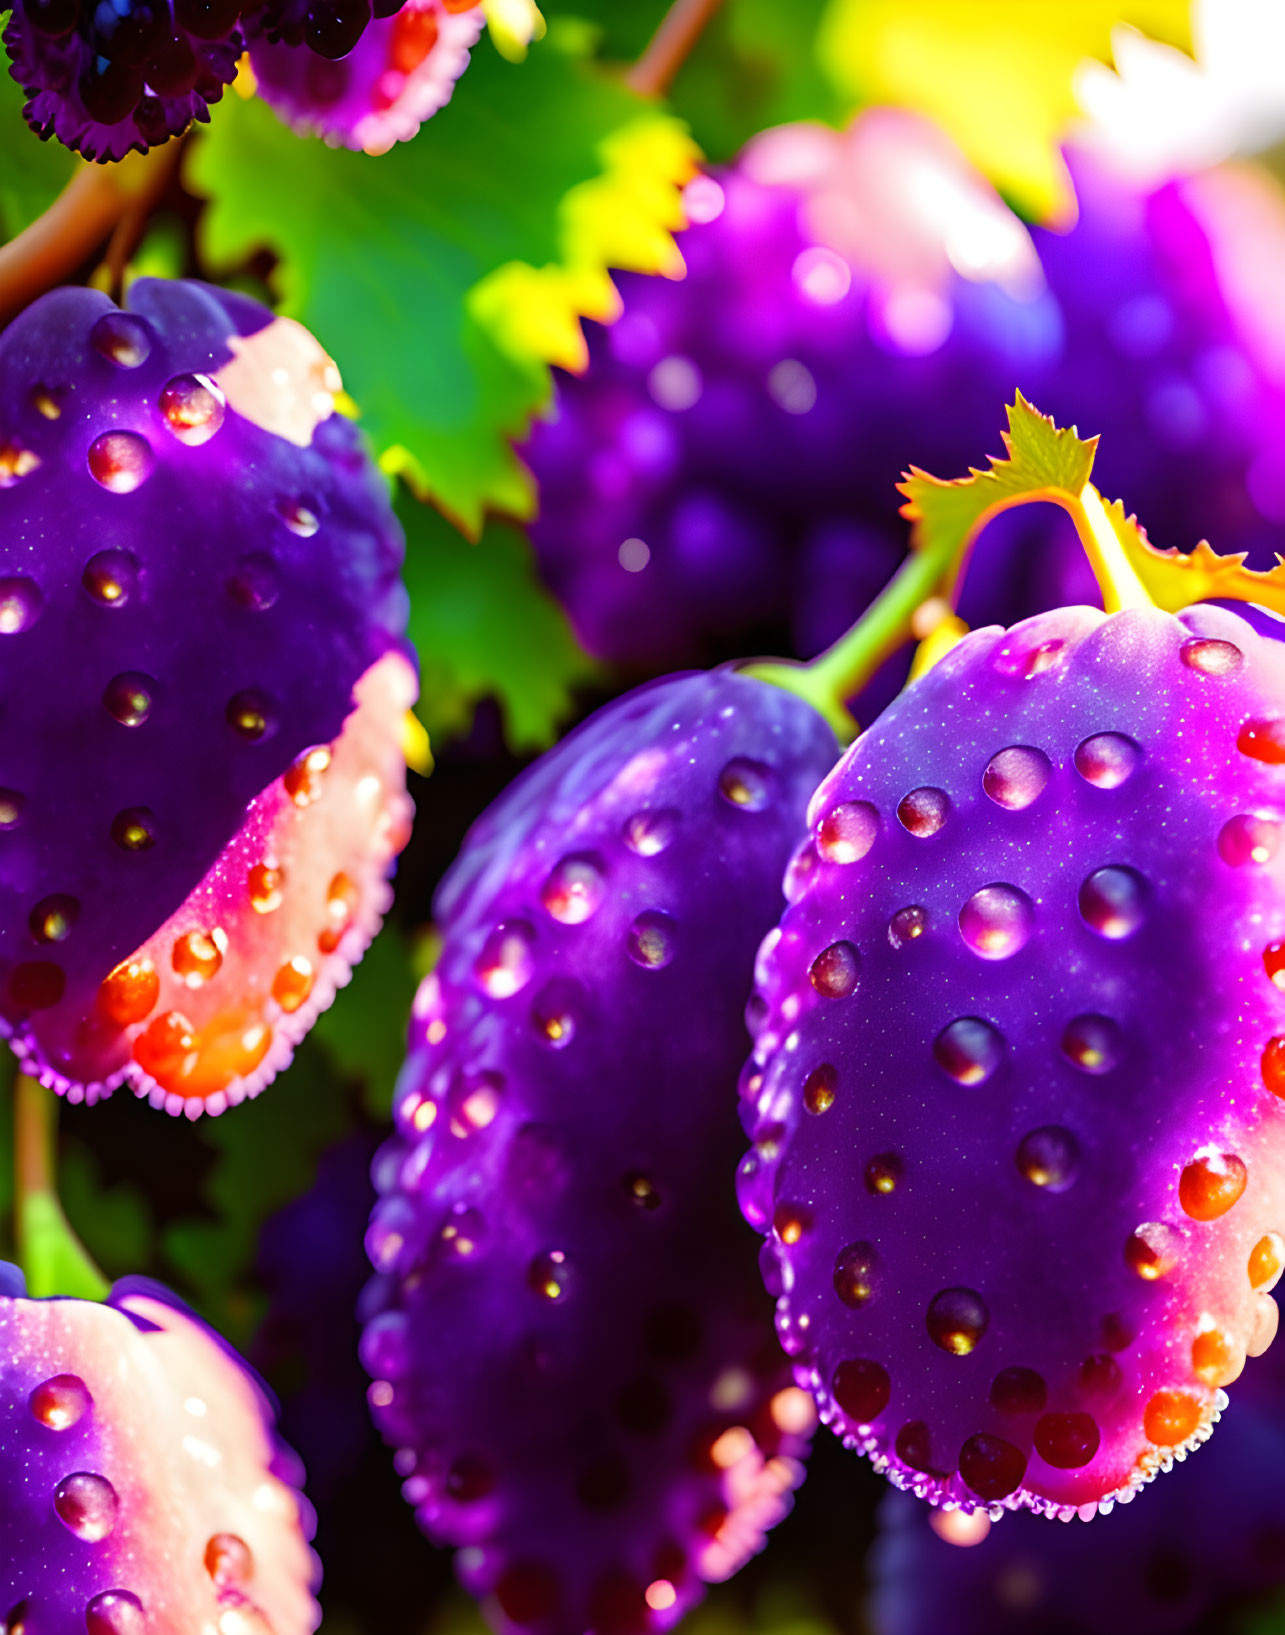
(1017, 1094)
(729, 457)
(570, 1348)
(205, 684)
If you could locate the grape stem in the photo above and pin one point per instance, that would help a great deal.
(100, 204)
(680, 28)
(49, 1252)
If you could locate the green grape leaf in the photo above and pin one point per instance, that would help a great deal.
(33, 172)
(996, 74)
(485, 627)
(447, 275)
(365, 1029)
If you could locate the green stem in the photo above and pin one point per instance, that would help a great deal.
(838, 674)
(49, 1252)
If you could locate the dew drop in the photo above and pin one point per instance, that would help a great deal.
(847, 832)
(12, 806)
(746, 783)
(883, 1173)
(855, 1274)
(1211, 1184)
(649, 833)
(251, 715)
(1152, 1252)
(474, 1101)
(120, 461)
(1113, 902)
(52, 919)
(819, 1088)
(1107, 760)
(969, 1050)
(923, 812)
(1214, 1360)
(957, 1320)
(122, 339)
(167, 1047)
(573, 890)
(228, 1559)
(60, 1402)
(835, 970)
(790, 1221)
(1018, 1391)
(1211, 657)
(128, 697)
(1266, 1261)
(1099, 1376)
(799, 871)
(641, 1191)
(1266, 1320)
(115, 1612)
(462, 1232)
(992, 1467)
(292, 983)
(549, 1276)
(128, 994)
(299, 518)
(1092, 1043)
(1170, 1417)
(1040, 660)
(1245, 840)
(996, 922)
(505, 963)
(1016, 777)
(861, 1387)
(46, 402)
(192, 407)
(906, 925)
(554, 1012)
(110, 577)
(1049, 1158)
(134, 829)
(256, 584)
(1263, 740)
(265, 882)
(20, 604)
(304, 778)
(87, 1505)
(1274, 963)
(915, 1448)
(650, 940)
(1067, 1441)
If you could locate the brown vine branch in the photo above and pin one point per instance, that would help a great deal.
(681, 27)
(101, 204)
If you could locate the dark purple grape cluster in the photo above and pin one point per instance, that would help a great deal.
(570, 1350)
(727, 464)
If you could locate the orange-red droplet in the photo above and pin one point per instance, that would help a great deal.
(341, 905)
(303, 778)
(790, 1222)
(265, 883)
(293, 983)
(1266, 1261)
(1170, 1418)
(129, 993)
(1263, 741)
(196, 957)
(1211, 1184)
(166, 1047)
(414, 36)
(1213, 1358)
(1152, 1250)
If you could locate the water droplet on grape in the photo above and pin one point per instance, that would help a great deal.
(957, 1319)
(128, 697)
(861, 1387)
(1049, 1158)
(1266, 1261)
(819, 1088)
(1092, 1043)
(549, 1276)
(128, 994)
(883, 1172)
(120, 461)
(506, 961)
(110, 577)
(923, 812)
(648, 833)
(87, 1505)
(835, 970)
(1215, 1361)
(1211, 1184)
(996, 922)
(1245, 840)
(1153, 1250)
(1067, 1441)
(906, 925)
(1170, 1417)
(1107, 760)
(855, 1274)
(992, 1467)
(969, 1050)
(746, 783)
(122, 339)
(641, 1191)
(20, 604)
(60, 1402)
(1263, 740)
(115, 1612)
(228, 1559)
(12, 807)
(573, 890)
(1211, 657)
(251, 715)
(847, 832)
(192, 407)
(790, 1221)
(256, 584)
(1113, 902)
(462, 1232)
(265, 882)
(1266, 1320)
(292, 983)
(1016, 776)
(650, 940)
(299, 518)
(474, 1101)
(134, 829)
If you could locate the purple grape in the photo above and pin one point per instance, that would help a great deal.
(729, 458)
(569, 1343)
(401, 71)
(1016, 1093)
(107, 78)
(142, 1485)
(1186, 1558)
(205, 683)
